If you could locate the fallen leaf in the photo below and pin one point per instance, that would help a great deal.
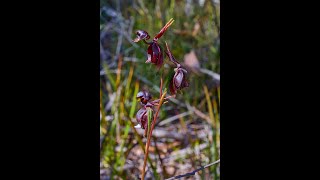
(191, 61)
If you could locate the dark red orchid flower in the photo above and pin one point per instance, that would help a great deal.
(154, 52)
(179, 80)
(142, 116)
(144, 97)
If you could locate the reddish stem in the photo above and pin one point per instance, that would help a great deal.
(150, 133)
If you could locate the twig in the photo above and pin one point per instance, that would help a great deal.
(130, 59)
(170, 119)
(194, 172)
(198, 113)
(183, 153)
(214, 75)
(162, 133)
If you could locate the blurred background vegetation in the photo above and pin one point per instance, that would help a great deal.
(187, 134)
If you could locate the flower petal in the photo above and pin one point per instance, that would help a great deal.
(178, 77)
(156, 48)
(138, 126)
(172, 88)
(157, 55)
(165, 27)
(140, 94)
(137, 39)
(144, 121)
(149, 54)
(160, 61)
(154, 58)
(144, 97)
(184, 83)
(143, 34)
(155, 51)
(140, 114)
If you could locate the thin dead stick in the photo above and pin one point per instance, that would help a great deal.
(194, 172)
(214, 75)
(170, 119)
(198, 113)
(150, 133)
(162, 133)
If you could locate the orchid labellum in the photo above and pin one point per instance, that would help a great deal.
(144, 97)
